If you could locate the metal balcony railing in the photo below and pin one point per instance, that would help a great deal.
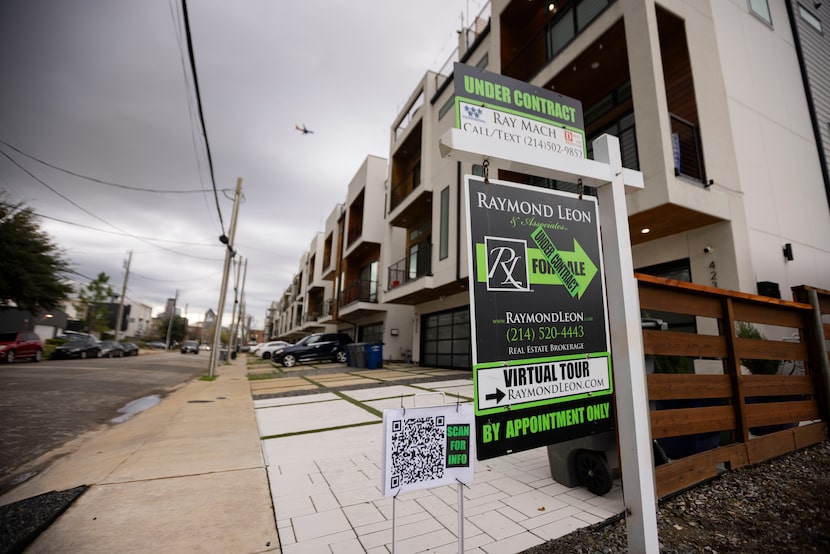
(417, 264)
(359, 291)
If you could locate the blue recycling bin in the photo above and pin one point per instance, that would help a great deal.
(374, 355)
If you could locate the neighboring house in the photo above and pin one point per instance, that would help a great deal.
(723, 105)
(47, 325)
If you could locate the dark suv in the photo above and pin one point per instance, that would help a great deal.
(321, 346)
(24, 344)
(190, 347)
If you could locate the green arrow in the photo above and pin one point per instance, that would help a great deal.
(541, 272)
(549, 265)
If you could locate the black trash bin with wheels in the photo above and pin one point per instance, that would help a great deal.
(358, 354)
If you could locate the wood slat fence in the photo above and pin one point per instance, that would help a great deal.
(724, 413)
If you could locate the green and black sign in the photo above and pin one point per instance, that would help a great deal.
(458, 445)
(514, 111)
(541, 359)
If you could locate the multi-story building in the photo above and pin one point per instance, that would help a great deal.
(139, 317)
(723, 105)
(339, 281)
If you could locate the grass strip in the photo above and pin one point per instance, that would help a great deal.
(358, 403)
(264, 376)
(295, 404)
(338, 428)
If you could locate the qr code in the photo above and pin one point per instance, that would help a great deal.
(418, 450)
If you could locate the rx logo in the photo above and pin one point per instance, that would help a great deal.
(506, 264)
(473, 112)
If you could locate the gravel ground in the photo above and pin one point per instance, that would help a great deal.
(782, 505)
(21, 522)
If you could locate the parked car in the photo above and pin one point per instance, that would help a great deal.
(130, 348)
(80, 347)
(157, 344)
(190, 347)
(320, 346)
(24, 344)
(266, 350)
(111, 349)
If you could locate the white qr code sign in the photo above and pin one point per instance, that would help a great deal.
(427, 447)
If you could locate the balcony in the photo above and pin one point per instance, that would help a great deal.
(359, 291)
(405, 186)
(532, 34)
(414, 266)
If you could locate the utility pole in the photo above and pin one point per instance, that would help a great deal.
(120, 315)
(234, 316)
(239, 321)
(170, 321)
(242, 300)
(229, 253)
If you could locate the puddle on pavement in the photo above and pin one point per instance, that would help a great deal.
(136, 407)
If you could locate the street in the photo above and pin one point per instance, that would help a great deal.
(45, 405)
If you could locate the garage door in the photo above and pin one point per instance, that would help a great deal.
(445, 339)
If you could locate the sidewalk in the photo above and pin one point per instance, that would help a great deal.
(323, 450)
(184, 476)
(210, 470)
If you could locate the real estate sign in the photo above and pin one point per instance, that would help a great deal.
(493, 105)
(541, 361)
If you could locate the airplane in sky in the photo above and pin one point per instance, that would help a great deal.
(303, 129)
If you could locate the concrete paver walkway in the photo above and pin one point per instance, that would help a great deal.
(323, 455)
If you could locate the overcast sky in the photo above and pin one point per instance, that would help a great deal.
(103, 89)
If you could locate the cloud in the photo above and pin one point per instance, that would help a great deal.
(103, 88)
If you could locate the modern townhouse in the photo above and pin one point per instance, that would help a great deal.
(314, 289)
(339, 281)
(723, 105)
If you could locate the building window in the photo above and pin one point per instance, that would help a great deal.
(761, 10)
(370, 333)
(444, 245)
(570, 22)
(446, 107)
(811, 19)
(484, 61)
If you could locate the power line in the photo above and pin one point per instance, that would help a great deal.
(185, 243)
(33, 176)
(201, 113)
(100, 181)
(175, 15)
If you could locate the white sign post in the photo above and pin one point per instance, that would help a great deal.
(607, 175)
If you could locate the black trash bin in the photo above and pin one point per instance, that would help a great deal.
(374, 356)
(358, 354)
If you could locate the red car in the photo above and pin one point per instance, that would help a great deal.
(24, 344)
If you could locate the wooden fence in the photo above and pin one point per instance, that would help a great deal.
(722, 393)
